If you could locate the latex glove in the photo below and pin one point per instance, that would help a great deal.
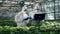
(29, 17)
(23, 19)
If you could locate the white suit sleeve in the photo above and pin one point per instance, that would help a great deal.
(31, 14)
(25, 15)
(17, 17)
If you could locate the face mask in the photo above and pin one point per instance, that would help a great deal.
(36, 9)
(25, 10)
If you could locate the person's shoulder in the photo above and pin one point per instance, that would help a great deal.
(20, 12)
(40, 12)
(32, 12)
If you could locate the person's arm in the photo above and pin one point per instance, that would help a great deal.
(25, 17)
(30, 15)
(17, 18)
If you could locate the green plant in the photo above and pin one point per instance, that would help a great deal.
(7, 23)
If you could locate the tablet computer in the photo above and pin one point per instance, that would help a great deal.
(39, 16)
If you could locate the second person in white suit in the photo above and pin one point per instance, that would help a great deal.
(36, 10)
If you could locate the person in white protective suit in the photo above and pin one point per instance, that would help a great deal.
(22, 18)
(36, 10)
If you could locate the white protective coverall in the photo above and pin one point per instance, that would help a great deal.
(36, 10)
(19, 18)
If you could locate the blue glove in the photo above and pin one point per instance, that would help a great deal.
(30, 17)
(23, 19)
